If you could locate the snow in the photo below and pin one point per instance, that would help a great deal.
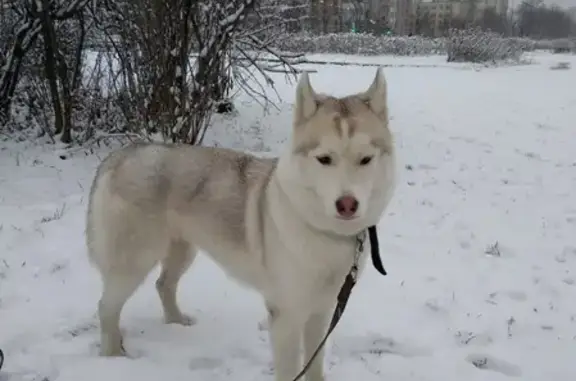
(478, 242)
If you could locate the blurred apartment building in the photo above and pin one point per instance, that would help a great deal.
(440, 12)
(401, 16)
(404, 14)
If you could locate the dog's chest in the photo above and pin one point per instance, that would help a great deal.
(310, 272)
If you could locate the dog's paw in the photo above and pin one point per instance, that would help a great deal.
(182, 319)
(112, 349)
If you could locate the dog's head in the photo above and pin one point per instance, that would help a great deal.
(342, 156)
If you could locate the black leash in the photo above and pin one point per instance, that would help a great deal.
(375, 251)
(347, 287)
(1, 359)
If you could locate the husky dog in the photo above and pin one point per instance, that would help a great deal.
(285, 227)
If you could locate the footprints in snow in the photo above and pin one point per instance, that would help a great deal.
(568, 253)
(205, 363)
(80, 329)
(377, 345)
(374, 345)
(464, 338)
(358, 348)
(518, 296)
(487, 362)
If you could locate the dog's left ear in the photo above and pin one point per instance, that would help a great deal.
(376, 95)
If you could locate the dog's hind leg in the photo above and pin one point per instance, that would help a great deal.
(180, 257)
(118, 287)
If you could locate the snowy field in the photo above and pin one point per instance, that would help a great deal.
(479, 243)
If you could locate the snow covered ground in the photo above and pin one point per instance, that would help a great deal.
(479, 243)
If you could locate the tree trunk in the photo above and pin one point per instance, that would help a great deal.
(50, 69)
(24, 39)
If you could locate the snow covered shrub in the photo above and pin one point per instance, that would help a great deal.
(564, 45)
(462, 45)
(361, 44)
(560, 45)
(144, 81)
(475, 45)
(544, 44)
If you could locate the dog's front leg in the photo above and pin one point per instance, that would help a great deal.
(285, 335)
(314, 331)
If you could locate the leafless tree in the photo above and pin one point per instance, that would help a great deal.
(326, 16)
(33, 20)
(123, 67)
(537, 20)
(424, 24)
(491, 20)
(471, 11)
(291, 16)
(167, 91)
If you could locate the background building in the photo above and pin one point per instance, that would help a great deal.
(401, 16)
(442, 13)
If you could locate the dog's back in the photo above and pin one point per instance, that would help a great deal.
(144, 192)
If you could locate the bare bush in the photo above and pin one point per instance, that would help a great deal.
(560, 45)
(47, 79)
(491, 45)
(142, 69)
(179, 59)
(362, 44)
(475, 45)
(564, 45)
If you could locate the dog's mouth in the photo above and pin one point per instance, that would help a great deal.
(347, 218)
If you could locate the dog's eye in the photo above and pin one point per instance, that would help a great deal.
(324, 160)
(366, 160)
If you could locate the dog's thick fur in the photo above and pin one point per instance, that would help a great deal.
(271, 224)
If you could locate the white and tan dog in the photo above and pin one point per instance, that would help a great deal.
(285, 227)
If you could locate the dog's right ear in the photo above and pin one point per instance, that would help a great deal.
(306, 100)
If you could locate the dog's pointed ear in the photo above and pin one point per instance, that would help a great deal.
(376, 96)
(306, 100)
